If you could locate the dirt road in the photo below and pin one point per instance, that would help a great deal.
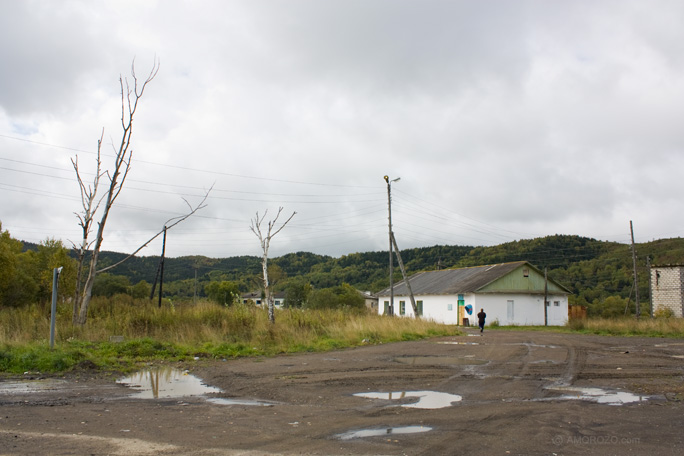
(503, 393)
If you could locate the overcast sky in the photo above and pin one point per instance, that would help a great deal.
(504, 119)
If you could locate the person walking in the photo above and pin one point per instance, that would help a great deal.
(481, 319)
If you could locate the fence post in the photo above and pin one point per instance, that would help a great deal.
(53, 313)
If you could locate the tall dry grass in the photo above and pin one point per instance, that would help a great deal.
(630, 326)
(182, 330)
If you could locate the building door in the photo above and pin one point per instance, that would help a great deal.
(510, 311)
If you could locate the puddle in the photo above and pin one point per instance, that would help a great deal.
(166, 383)
(426, 399)
(599, 395)
(533, 345)
(382, 432)
(225, 401)
(459, 343)
(432, 360)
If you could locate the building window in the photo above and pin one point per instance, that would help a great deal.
(419, 305)
(402, 307)
(526, 272)
(450, 307)
(556, 303)
(387, 308)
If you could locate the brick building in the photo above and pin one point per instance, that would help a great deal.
(667, 288)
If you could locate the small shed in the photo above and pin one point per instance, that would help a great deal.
(510, 293)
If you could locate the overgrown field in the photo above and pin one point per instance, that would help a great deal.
(123, 332)
(630, 326)
(622, 326)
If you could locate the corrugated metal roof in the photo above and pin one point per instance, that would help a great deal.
(454, 281)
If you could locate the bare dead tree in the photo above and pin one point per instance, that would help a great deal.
(85, 220)
(130, 96)
(265, 241)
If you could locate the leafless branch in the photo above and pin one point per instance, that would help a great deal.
(178, 220)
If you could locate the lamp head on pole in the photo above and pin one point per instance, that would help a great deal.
(387, 179)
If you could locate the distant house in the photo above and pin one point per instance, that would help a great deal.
(510, 293)
(370, 300)
(255, 297)
(667, 289)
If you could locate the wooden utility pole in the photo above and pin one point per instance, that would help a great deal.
(391, 258)
(546, 298)
(406, 280)
(161, 269)
(636, 280)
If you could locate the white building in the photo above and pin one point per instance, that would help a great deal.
(667, 289)
(256, 298)
(510, 293)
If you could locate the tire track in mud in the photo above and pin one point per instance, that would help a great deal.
(575, 363)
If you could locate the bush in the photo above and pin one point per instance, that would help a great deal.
(341, 297)
(663, 312)
(576, 324)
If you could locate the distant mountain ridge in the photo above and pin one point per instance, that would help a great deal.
(592, 269)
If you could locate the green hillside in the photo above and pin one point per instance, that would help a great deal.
(599, 274)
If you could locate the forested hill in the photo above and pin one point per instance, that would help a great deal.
(593, 270)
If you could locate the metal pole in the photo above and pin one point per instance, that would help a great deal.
(53, 313)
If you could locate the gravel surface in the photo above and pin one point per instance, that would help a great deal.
(500, 393)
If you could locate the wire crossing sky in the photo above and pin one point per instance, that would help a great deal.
(504, 119)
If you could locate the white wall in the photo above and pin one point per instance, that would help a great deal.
(526, 309)
(435, 307)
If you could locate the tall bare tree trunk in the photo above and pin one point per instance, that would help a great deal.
(117, 177)
(265, 245)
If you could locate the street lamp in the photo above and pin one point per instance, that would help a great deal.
(391, 261)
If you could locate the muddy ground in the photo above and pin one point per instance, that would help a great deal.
(530, 393)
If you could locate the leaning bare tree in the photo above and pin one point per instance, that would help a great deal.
(265, 241)
(88, 250)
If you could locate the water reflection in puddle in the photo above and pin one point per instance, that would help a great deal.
(166, 383)
(225, 401)
(382, 431)
(426, 399)
(599, 395)
(432, 360)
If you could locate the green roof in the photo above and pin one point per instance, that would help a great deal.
(494, 278)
